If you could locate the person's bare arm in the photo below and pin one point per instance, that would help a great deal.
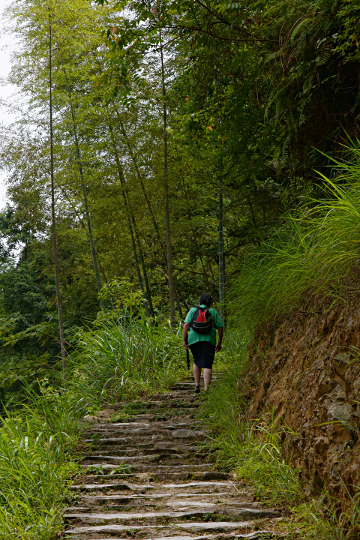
(185, 332)
(221, 335)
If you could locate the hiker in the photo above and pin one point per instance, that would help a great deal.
(202, 321)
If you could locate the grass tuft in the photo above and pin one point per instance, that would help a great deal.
(128, 357)
(35, 443)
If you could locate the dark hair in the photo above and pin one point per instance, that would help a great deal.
(206, 299)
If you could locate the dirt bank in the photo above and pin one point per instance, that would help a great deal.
(309, 372)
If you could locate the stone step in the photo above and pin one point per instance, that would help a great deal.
(105, 487)
(115, 516)
(176, 396)
(161, 476)
(198, 485)
(172, 404)
(204, 537)
(183, 386)
(194, 526)
(114, 440)
(138, 487)
(132, 461)
(112, 475)
(186, 451)
(133, 423)
(137, 428)
(256, 535)
(116, 459)
(100, 429)
(149, 433)
(237, 512)
(124, 499)
(135, 467)
(155, 453)
(146, 447)
(104, 477)
(149, 437)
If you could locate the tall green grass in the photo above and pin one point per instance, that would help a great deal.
(35, 444)
(126, 357)
(312, 252)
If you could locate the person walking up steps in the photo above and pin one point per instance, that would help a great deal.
(200, 336)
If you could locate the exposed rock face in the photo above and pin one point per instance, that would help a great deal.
(309, 372)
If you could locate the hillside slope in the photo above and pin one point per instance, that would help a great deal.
(308, 371)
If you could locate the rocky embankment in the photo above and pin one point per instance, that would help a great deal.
(308, 371)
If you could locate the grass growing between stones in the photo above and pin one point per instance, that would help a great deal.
(251, 449)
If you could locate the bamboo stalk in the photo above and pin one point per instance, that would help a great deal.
(83, 188)
(56, 265)
(221, 241)
(130, 218)
(166, 190)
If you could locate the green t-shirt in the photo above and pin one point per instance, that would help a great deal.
(194, 337)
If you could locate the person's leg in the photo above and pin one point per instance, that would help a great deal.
(207, 378)
(197, 374)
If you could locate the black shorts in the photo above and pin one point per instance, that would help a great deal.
(203, 353)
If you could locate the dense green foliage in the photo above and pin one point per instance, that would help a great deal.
(251, 89)
(38, 438)
(257, 99)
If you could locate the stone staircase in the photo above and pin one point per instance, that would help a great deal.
(148, 476)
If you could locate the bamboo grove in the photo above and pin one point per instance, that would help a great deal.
(183, 132)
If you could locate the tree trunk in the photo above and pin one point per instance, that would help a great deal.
(221, 242)
(142, 262)
(130, 218)
(195, 240)
(178, 304)
(166, 189)
(56, 266)
(133, 157)
(156, 227)
(83, 187)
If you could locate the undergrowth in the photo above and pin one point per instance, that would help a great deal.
(250, 448)
(126, 357)
(35, 444)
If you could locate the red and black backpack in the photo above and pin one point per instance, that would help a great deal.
(202, 321)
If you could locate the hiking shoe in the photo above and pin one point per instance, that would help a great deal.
(197, 389)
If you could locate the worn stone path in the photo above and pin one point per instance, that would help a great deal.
(147, 476)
